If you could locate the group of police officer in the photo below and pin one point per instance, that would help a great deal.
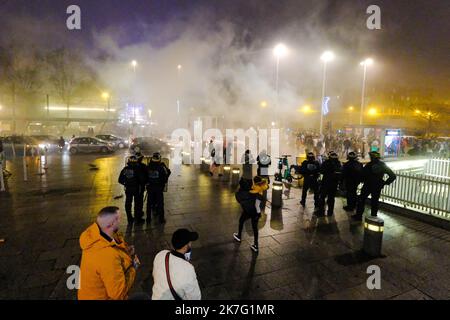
(137, 177)
(349, 175)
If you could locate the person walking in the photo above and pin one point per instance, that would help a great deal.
(174, 277)
(352, 175)
(108, 263)
(247, 197)
(373, 178)
(133, 178)
(158, 175)
(331, 174)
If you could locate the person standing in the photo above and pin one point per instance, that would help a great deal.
(132, 178)
(247, 161)
(373, 178)
(61, 143)
(158, 175)
(108, 263)
(174, 277)
(331, 170)
(351, 174)
(310, 170)
(264, 162)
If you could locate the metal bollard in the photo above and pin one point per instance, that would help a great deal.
(202, 163)
(236, 172)
(226, 172)
(373, 236)
(207, 165)
(277, 192)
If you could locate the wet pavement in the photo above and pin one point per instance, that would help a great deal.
(301, 257)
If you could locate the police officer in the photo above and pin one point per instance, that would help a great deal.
(310, 170)
(331, 170)
(351, 173)
(373, 179)
(264, 161)
(158, 174)
(142, 172)
(132, 179)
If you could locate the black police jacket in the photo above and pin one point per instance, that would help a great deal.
(331, 170)
(352, 171)
(374, 172)
(310, 169)
(157, 176)
(132, 177)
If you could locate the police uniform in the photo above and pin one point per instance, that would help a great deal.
(310, 170)
(132, 178)
(157, 176)
(373, 179)
(331, 170)
(351, 172)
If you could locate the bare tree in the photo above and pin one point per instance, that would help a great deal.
(67, 75)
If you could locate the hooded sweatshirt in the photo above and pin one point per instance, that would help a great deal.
(107, 271)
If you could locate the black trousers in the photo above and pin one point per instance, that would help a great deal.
(328, 192)
(375, 193)
(155, 203)
(314, 186)
(254, 218)
(351, 188)
(130, 195)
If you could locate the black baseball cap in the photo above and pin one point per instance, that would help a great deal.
(182, 237)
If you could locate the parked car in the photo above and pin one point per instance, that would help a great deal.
(89, 145)
(117, 141)
(148, 145)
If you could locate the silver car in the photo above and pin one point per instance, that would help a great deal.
(89, 145)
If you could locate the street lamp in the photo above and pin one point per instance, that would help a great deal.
(178, 78)
(263, 104)
(326, 57)
(279, 51)
(106, 96)
(134, 65)
(367, 62)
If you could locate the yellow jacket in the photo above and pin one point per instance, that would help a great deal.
(260, 187)
(107, 271)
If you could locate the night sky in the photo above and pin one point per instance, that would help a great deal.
(414, 37)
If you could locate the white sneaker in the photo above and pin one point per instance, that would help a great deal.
(235, 236)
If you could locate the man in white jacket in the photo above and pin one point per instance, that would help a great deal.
(174, 276)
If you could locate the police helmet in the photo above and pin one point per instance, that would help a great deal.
(352, 155)
(156, 157)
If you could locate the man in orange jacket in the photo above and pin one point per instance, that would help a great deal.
(108, 264)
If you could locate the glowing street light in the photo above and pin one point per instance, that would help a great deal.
(367, 62)
(326, 57)
(373, 112)
(105, 95)
(417, 111)
(263, 104)
(351, 108)
(306, 109)
(134, 65)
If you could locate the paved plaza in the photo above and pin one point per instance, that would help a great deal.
(301, 257)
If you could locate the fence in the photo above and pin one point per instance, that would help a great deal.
(438, 167)
(426, 193)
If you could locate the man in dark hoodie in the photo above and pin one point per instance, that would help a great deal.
(373, 178)
(352, 174)
(331, 170)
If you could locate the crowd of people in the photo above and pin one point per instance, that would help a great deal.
(109, 265)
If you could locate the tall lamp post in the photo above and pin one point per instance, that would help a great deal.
(279, 51)
(367, 62)
(326, 57)
(179, 88)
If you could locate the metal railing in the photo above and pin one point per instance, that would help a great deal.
(423, 193)
(438, 167)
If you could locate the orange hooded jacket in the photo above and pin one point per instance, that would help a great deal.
(107, 271)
